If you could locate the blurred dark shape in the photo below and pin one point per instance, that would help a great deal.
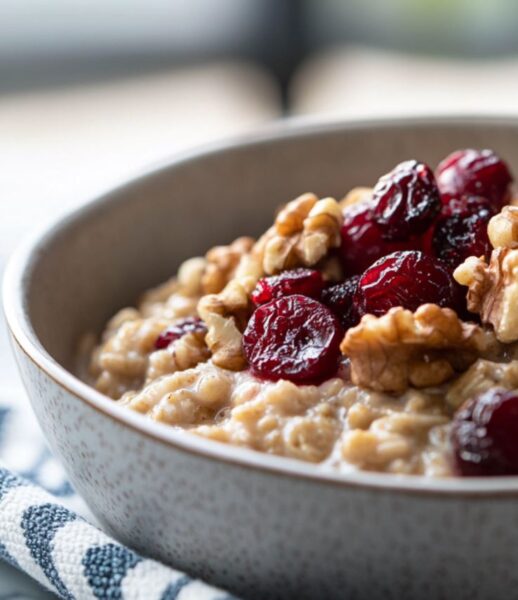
(62, 42)
(67, 43)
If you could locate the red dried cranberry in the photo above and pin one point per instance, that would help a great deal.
(295, 338)
(298, 281)
(406, 279)
(362, 240)
(179, 329)
(472, 204)
(406, 201)
(461, 231)
(426, 240)
(476, 173)
(340, 299)
(484, 435)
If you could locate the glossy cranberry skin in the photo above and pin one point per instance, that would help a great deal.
(408, 279)
(297, 281)
(475, 173)
(406, 200)
(362, 239)
(484, 435)
(295, 338)
(340, 299)
(471, 204)
(178, 330)
(461, 231)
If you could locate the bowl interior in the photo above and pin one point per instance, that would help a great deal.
(103, 256)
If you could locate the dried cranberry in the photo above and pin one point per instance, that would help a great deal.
(406, 279)
(476, 173)
(362, 240)
(484, 435)
(295, 338)
(298, 281)
(461, 231)
(406, 200)
(472, 204)
(179, 329)
(426, 240)
(340, 299)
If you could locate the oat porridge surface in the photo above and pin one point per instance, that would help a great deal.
(377, 332)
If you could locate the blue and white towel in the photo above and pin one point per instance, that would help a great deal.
(47, 532)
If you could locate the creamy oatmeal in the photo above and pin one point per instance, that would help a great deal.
(377, 332)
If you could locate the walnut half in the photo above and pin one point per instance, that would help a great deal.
(303, 233)
(493, 290)
(221, 263)
(502, 229)
(403, 349)
(226, 313)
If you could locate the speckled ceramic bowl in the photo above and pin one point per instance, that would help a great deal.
(262, 526)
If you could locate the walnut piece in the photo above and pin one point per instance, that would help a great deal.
(403, 349)
(321, 230)
(502, 229)
(304, 230)
(493, 290)
(222, 262)
(290, 219)
(190, 275)
(226, 315)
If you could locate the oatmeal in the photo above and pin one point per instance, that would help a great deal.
(375, 333)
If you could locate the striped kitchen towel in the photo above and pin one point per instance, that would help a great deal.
(47, 532)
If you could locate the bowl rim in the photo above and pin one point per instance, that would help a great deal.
(17, 274)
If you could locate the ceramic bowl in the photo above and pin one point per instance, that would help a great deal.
(259, 525)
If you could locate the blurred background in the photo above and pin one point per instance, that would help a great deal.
(92, 91)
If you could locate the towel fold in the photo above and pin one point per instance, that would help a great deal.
(48, 534)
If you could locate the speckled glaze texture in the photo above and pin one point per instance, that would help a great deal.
(256, 525)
